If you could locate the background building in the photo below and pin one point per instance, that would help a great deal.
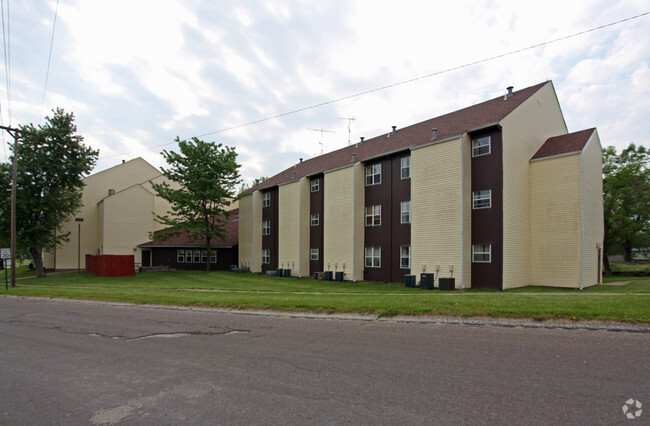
(496, 195)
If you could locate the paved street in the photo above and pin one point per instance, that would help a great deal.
(71, 363)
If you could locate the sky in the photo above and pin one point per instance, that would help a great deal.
(262, 75)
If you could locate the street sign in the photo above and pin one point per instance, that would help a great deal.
(5, 253)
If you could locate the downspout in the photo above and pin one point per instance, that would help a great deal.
(354, 211)
(462, 213)
(299, 227)
(252, 230)
(582, 227)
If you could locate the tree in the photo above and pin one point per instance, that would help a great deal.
(52, 161)
(626, 196)
(206, 175)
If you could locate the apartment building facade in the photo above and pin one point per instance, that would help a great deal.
(496, 195)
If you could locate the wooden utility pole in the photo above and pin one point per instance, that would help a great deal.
(16, 134)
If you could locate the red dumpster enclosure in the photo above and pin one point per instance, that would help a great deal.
(111, 265)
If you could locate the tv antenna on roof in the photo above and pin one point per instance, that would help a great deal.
(350, 120)
(321, 136)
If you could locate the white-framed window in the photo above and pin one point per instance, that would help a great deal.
(204, 256)
(213, 256)
(188, 256)
(313, 254)
(405, 212)
(180, 255)
(373, 257)
(266, 227)
(266, 199)
(373, 216)
(482, 199)
(266, 256)
(406, 167)
(405, 257)
(315, 219)
(373, 174)
(481, 146)
(315, 185)
(481, 253)
(197, 256)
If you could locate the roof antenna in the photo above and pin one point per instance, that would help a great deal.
(350, 120)
(321, 137)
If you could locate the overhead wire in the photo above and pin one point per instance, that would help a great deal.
(5, 36)
(49, 59)
(400, 83)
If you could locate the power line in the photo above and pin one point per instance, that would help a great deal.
(6, 38)
(49, 59)
(389, 86)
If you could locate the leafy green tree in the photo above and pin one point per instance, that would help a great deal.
(52, 161)
(626, 196)
(206, 175)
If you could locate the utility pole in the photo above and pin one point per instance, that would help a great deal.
(16, 134)
(321, 137)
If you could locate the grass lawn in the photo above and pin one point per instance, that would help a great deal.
(628, 303)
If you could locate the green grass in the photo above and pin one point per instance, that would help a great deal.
(629, 303)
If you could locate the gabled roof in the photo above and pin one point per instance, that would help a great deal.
(564, 144)
(448, 126)
(183, 239)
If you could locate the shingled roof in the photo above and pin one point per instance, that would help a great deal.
(183, 239)
(448, 126)
(564, 144)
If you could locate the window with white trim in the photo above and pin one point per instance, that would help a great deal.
(188, 256)
(213, 256)
(373, 216)
(373, 174)
(266, 199)
(373, 257)
(313, 254)
(405, 213)
(481, 146)
(197, 256)
(266, 256)
(315, 185)
(204, 256)
(406, 167)
(482, 199)
(405, 257)
(180, 255)
(266, 227)
(481, 253)
(315, 219)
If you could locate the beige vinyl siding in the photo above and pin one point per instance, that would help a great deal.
(341, 217)
(96, 188)
(162, 207)
(592, 210)
(436, 225)
(466, 154)
(359, 183)
(289, 227)
(245, 233)
(304, 227)
(524, 132)
(555, 215)
(127, 221)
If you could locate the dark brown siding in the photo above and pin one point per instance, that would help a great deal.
(166, 256)
(316, 232)
(487, 224)
(400, 232)
(391, 235)
(270, 242)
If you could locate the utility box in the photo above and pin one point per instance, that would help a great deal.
(426, 281)
(409, 281)
(338, 275)
(279, 272)
(328, 276)
(447, 283)
(287, 273)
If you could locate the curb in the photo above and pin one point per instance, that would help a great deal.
(473, 321)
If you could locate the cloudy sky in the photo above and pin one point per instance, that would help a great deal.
(138, 73)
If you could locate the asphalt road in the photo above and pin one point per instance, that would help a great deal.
(82, 363)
